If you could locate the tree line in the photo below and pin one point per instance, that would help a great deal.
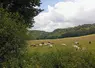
(80, 30)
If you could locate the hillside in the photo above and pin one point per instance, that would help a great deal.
(80, 30)
(35, 34)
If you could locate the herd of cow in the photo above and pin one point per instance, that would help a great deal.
(76, 45)
(50, 44)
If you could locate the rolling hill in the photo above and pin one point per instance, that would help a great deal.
(80, 30)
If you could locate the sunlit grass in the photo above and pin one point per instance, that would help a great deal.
(83, 42)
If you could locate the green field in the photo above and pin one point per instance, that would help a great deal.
(83, 42)
(60, 56)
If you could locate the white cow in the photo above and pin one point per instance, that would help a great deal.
(40, 45)
(76, 43)
(75, 46)
(64, 44)
(50, 45)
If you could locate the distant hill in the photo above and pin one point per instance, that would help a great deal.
(80, 30)
(36, 34)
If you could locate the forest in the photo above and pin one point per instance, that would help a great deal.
(76, 31)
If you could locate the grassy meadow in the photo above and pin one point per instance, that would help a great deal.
(60, 56)
(83, 42)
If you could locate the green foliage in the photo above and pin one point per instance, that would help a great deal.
(25, 8)
(85, 29)
(62, 59)
(12, 38)
(35, 34)
(15, 17)
(80, 30)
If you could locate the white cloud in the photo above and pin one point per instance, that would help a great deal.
(66, 14)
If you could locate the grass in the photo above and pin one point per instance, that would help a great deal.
(83, 41)
(61, 59)
(60, 56)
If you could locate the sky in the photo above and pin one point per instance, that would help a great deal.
(64, 14)
(45, 3)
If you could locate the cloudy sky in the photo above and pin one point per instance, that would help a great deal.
(64, 14)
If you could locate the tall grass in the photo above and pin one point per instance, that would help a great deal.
(62, 59)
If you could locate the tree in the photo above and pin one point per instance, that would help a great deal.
(15, 17)
(26, 8)
(12, 38)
